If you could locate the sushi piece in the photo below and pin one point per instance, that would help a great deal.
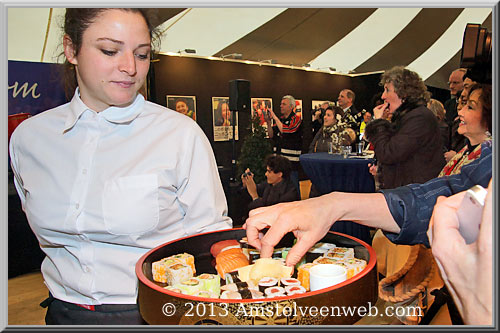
(303, 274)
(229, 294)
(274, 291)
(177, 273)
(190, 286)
(205, 294)
(238, 286)
(289, 282)
(326, 260)
(231, 277)
(210, 282)
(159, 269)
(253, 255)
(340, 252)
(218, 247)
(267, 282)
(185, 258)
(354, 266)
(294, 290)
(229, 261)
(256, 294)
(174, 289)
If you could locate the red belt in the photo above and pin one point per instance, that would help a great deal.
(85, 306)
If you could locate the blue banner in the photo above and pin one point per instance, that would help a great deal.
(35, 87)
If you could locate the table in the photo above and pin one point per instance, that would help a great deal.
(332, 172)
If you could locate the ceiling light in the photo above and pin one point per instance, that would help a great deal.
(232, 55)
(187, 51)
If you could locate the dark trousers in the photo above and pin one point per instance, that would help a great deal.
(64, 313)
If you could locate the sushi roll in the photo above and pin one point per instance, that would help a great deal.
(238, 286)
(303, 274)
(253, 255)
(294, 289)
(178, 272)
(229, 294)
(267, 282)
(274, 291)
(326, 260)
(159, 269)
(190, 286)
(210, 282)
(289, 282)
(205, 294)
(340, 252)
(185, 258)
(354, 266)
(174, 289)
(232, 277)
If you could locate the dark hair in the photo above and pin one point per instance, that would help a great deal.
(337, 110)
(219, 119)
(279, 163)
(408, 85)
(486, 103)
(77, 21)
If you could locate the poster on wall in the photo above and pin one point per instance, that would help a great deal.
(260, 107)
(316, 106)
(222, 119)
(183, 104)
(298, 108)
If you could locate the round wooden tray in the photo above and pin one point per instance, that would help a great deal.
(342, 304)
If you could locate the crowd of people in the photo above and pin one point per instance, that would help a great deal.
(108, 200)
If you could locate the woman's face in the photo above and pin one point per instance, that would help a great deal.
(329, 118)
(181, 107)
(113, 61)
(225, 111)
(471, 116)
(391, 98)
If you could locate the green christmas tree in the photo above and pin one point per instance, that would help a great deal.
(256, 147)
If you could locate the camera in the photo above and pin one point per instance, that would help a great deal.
(246, 174)
(477, 53)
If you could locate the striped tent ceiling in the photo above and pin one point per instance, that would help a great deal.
(351, 40)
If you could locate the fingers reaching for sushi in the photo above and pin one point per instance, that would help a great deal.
(309, 220)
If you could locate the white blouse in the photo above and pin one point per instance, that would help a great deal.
(101, 189)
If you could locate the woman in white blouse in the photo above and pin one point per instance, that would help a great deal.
(109, 175)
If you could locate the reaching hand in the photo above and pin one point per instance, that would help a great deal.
(466, 269)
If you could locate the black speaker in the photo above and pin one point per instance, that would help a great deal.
(239, 95)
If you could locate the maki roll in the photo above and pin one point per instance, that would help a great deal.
(159, 269)
(294, 289)
(354, 266)
(340, 253)
(274, 292)
(229, 294)
(178, 272)
(289, 282)
(210, 282)
(190, 287)
(174, 289)
(303, 274)
(267, 282)
(205, 294)
(239, 286)
(232, 277)
(185, 258)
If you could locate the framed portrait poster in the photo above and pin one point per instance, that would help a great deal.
(183, 104)
(223, 120)
(298, 107)
(260, 106)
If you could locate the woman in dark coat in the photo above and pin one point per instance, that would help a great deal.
(409, 148)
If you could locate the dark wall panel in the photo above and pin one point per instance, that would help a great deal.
(205, 79)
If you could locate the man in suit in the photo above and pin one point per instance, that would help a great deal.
(345, 101)
(456, 84)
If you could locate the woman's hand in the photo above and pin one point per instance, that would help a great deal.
(372, 169)
(449, 155)
(466, 268)
(378, 111)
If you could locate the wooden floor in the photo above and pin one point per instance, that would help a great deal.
(26, 292)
